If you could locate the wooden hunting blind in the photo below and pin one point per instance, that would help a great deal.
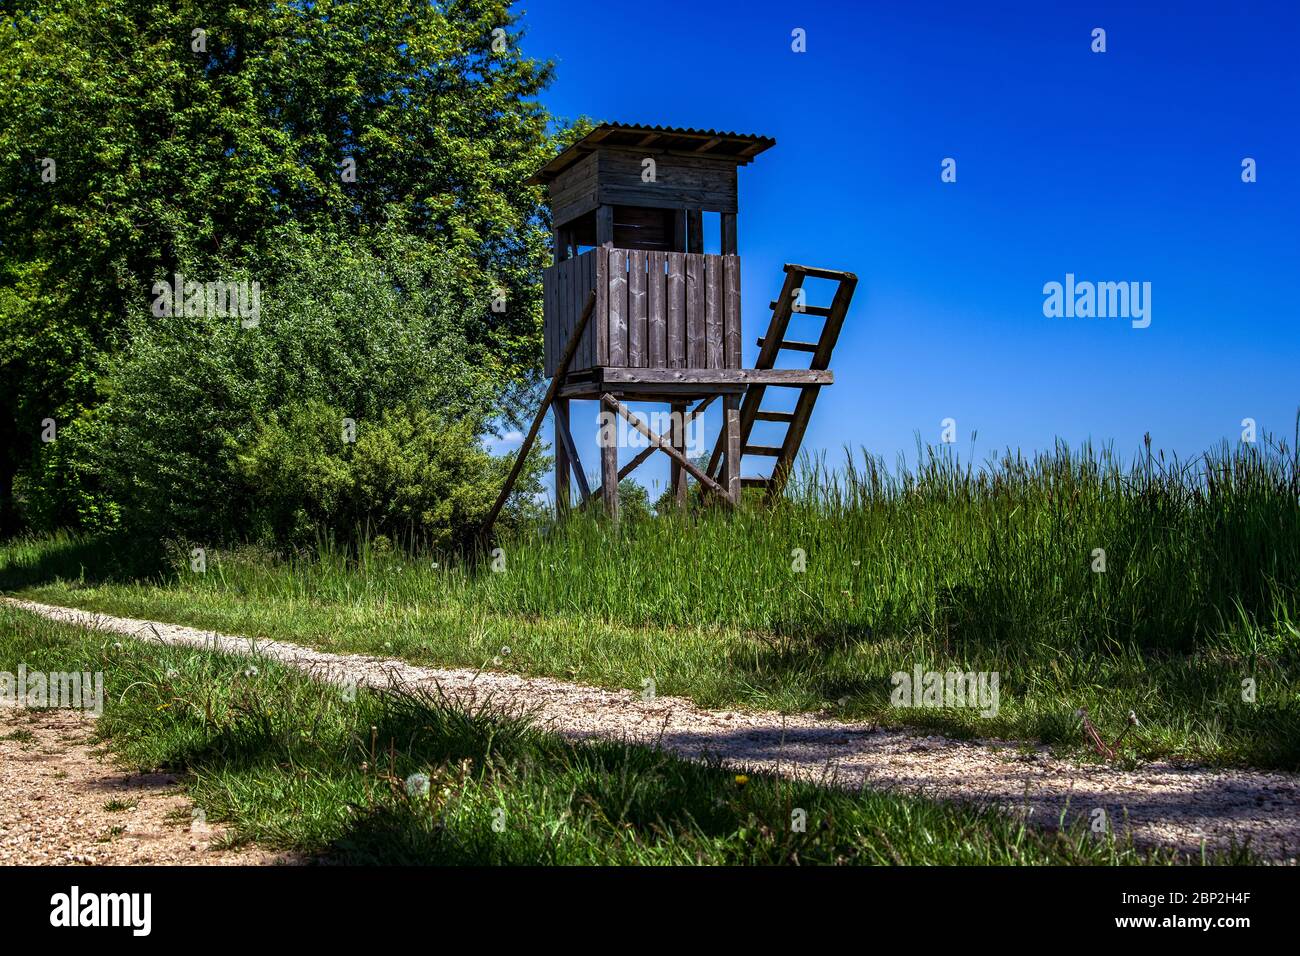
(635, 310)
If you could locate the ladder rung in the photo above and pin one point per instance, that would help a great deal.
(820, 310)
(755, 482)
(793, 346)
(834, 274)
(770, 450)
(774, 416)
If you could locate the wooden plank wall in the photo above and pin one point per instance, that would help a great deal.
(681, 182)
(653, 309)
(565, 287)
(574, 191)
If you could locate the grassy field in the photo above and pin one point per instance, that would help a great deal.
(813, 604)
(296, 765)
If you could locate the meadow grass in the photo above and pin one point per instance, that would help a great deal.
(373, 777)
(814, 603)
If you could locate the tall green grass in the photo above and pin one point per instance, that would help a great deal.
(814, 602)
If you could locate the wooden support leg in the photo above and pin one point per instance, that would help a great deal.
(609, 458)
(562, 463)
(731, 438)
(679, 442)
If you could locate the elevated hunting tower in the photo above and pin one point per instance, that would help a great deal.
(636, 310)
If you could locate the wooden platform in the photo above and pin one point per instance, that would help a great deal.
(658, 383)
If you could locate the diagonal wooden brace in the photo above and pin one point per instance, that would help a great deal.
(639, 460)
(664, 445)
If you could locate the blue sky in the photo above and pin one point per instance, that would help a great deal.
(1115, 166)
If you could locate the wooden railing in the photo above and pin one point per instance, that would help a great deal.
(674, 310)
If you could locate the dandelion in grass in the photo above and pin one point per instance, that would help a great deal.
(741, 779)
(417, 785)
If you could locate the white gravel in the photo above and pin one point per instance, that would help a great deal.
(1158, 803)
(63, 803)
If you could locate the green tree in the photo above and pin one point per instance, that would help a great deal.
(344, 405)
(140, 138)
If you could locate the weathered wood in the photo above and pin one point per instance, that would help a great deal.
(587, 347)
(565, 444)
(765, 361)
(601, 255)
(562, 370)
(792, 346)
(717, 376)
(817, 310)
(681, 182)
(636, 227)
(560, 406)
(656, 310)
(679, 442)
(695, 329)
(834, 275)
(676, 294)
(590, 389)
(808, 397)
(637, 327)
(663, 444)
(645, 453)
(797, 420)
(694, 231)
(653, 310)
(573, 192)
(617, 307)
(713, 334)
(605, 225)
(609, 458)
(565, 286)
(731, 437)
(731, 316)
(728, 234)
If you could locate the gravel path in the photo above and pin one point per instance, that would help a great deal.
(1158, 803)
(62, 803)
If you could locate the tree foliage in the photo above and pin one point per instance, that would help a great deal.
(139, 139)
(213, 430)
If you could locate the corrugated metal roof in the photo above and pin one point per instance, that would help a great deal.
(738, 147)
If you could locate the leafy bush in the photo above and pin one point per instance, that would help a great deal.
(212, 429)
(410, 475)
(61, 487)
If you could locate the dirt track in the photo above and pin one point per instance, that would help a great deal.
(1157, 803)
(62, 803)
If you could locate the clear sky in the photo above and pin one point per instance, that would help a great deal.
(1117, 166)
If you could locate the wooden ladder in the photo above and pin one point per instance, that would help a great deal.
(772, 345)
